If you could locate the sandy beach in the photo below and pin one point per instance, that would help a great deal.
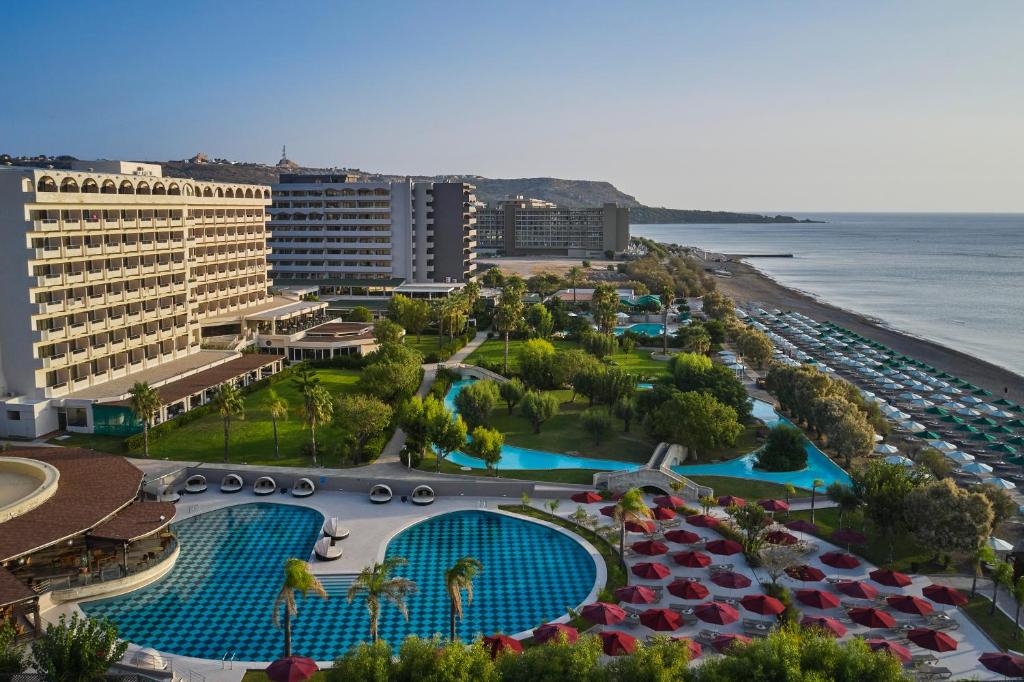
(748, 286)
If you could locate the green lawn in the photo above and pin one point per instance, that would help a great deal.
(426, 344)
(91, 441)
(743, 487)
(997, 626)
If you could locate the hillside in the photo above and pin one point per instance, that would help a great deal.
(571, 193)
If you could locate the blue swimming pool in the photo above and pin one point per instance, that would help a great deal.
(218, 597)
(645, 328)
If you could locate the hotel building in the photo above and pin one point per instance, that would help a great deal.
(525, 227)
(336, 232)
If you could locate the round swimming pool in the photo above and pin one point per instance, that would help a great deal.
(218, 597)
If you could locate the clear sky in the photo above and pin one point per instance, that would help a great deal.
(734, 105)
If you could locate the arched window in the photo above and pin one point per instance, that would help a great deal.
(126, 188)
(248, 194)
(68, 185)
(189, 191)
(108, 187)
(266, 194)
(220, 192)
(89, 186)
(142, 188)
(230, 194)
(207, 192)
(46, 184)
(174, 189)
(158, 188)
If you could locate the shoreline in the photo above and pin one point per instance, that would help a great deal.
(748, 285)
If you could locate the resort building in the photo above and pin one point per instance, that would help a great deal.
(114, 274)
(333, 230)
(525, 227)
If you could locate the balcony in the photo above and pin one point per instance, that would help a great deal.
(46, 225)
(79, 354)
(55, 361)
(74, 277)
(52, 307)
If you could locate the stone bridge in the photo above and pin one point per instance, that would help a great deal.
(657, 474)
(472, 371)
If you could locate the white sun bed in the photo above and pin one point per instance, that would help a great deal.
(264, 485)
(303, 488)
(168, 494)
(422, 495)
(327, 549)
(380, 494)
(334, 529)
(231, 483)
(196, 483)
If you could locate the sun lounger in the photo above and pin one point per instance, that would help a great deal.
(732, 601)
(633, 610)
(681, 608)
(720, 567)
(707, 636)
(922, 659)
(933, 672)
(671, 523)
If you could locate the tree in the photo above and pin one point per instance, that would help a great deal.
(718, 306)
(948, 519)
(694, 339)
(538, 321)
(1002, 576)
(377, 582)
(852, 437)
(537, 363)
(228, 403)
(630, 507)
(476, 401)
(691, 372)
(598, 423)
(411, 313)
(493, 278)
(386, 331)
(574, 276)
(625, 409)
(538, 408)
(668, 292)
(696, 420)
(1003, 504)
(597, 344)
(659, 660)
(511, 392)
(414, 422)
(12, 653)
(611, 384)
(360, 314)
(457, 579)
(784, 450)
(555, 662)
(883, 490)
(604, 304)
(445, 433)
(984, 555)
(431, 660)
(750, 519)
(755, 346)
(1017, 591)
(77, 649)
(775, 559)
(317, 409)
(297, 579)
(569, 363)
(815, 484)
(934, 462)
(553, 505)
(508, 313)
(363, 416)
(144, 402)
(845, 497)
(627, 343)
(486, 445)
(367, 662)
(277, 408)
(392, 374)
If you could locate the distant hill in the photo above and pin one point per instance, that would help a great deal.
(571, 193)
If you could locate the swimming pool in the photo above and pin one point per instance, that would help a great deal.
(645, 328)
(218, 597)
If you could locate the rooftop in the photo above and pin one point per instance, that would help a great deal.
(200, 381)
(154, 376)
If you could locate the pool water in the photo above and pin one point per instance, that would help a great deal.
(219, 596)
(645, 328)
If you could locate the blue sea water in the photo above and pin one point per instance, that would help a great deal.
(955, 279)
(219, 596)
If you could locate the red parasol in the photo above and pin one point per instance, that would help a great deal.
(932, 639)
(817, 599)
(692, 559)
(840, 560)
(802, 526)
(717, 613)
(650, 547)
(847, 536)
(940, 594)
(499, 644)
(774, 505)
(608, 511)
(724, 547)
(702, 521)
(636, 594)
(805, 573)
(669, 501)
(617, 643)
(602, 613)
(651, 571)
(636, 526)
(731, 500)
(780, 537)
(664, 513)
(889, 577)
(694, 647)
(857, 589)
(901, 653)
(552, 632)
(1007, 665)
(871, 617)
(762, 604)
(724, 641)
(589, 497)
(664, 620)
(730, 580)
(909, 604)
(687, 589)
(829, 625)
(682, 537)
(291, 669)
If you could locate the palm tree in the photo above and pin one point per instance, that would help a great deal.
(278, 409)
(574, 274)
(297, 578)
(1017, 590)
(509, 311)
(630, 507)
(984, 555)
(318, 409)
(1002, 576)
(456, 579)
(790, 491)
(815, 484)
(228, 401)
(667, 295)
(376, 582)
(145, 402)
(553, 504)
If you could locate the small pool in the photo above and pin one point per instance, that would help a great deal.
(645, 328)
(218, 597)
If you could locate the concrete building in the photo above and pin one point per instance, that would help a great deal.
(110, 278)
(333, 230)
(525, 227)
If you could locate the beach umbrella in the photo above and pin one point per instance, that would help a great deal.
(292, 669)
(886, 576)
(731, 500)
(1002, 414)
(692, 559)
(669, 501)
(1001, 430)
(724, 547)
(965, 428)
(615, 643)
(984, 421)
(818, 599)
(848, 536)
(858, 589)
(687, 589)
(941, 594)
(663, 620)
(649, 570)
(588, 497)
(968, 412)
(829, 625)
(936, 410)
(840, 560)
(1008, 449)
(716, 613)
(982, 392)
(722, 642)
(650, 547)
(1016, 423)
(951, 419)
(899, 460)
(977, 468)
(608, 511)
(1007, 665)
(901, 653)
(664, 513)
(552, 632)
(694, 647)
(999, 545)
(636, 594)
(730, 580)
(780, 537)
(988, 438)
(928, 435)
(774, 505)
(702, 521)
(682, 537)
(1001, 483)
(959, 457)
(1004, 402)
(805, 573)
(941, 445)
(912, 426)
(802, 526)
(502, 644)
(886, 449)
(871, 617)
(638, 526)
(932, 639)
(1016, 440)
(910, 604)
(601, 613)
(762, 604)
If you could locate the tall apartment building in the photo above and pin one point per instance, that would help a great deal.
(523, 227)
(332, 229)
(109, 271)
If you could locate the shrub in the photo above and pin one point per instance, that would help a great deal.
(784, 450)
(598, 423)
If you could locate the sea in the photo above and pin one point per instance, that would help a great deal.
(955, 279)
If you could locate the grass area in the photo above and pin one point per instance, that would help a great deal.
(998, 626)
(580, 476)
(91, 441)
(638, 363)
(745, 444)
(743, 487)
(426, 344)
